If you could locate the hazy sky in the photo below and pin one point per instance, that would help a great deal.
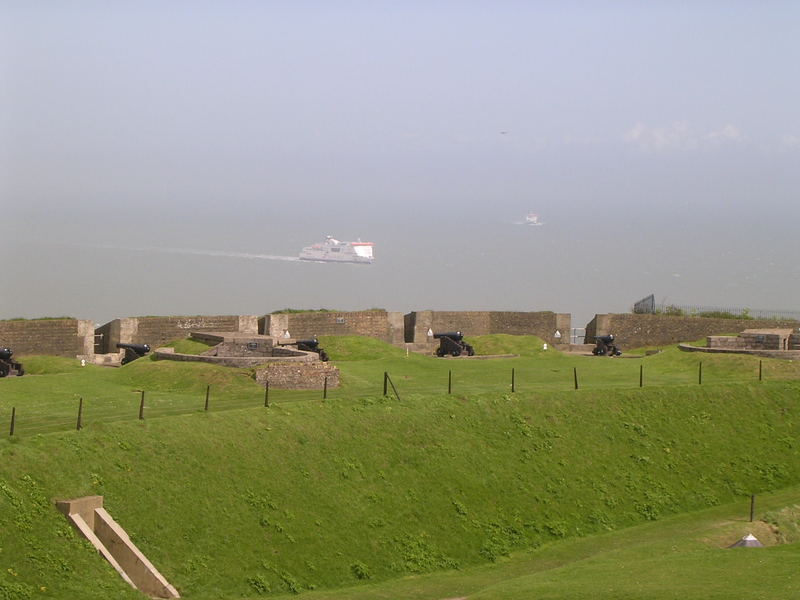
(658, 141)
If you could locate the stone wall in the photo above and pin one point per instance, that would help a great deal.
(157, 331)
(57, 337)
(543, 324)
(725, 341)
(782, 354)
(298, 376)
(764, 339)
(234, 361)
(794, 341)
(384, 325)
(635, 331)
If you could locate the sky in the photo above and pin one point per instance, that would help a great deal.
(659, 143)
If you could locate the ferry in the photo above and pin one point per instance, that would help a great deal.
(532, 219)
(332, 250)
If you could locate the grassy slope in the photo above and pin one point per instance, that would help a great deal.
(317, 493)
(188, 346)
(46, 404)
(683, 556)
(302, 494)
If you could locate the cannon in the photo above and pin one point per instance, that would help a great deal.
(605, 346)
(452, 343)
(8, 366)
(312, 346)
(133, 351)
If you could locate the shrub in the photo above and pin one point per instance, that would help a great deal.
(360, 570)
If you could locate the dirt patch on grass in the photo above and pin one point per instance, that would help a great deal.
(729, 532)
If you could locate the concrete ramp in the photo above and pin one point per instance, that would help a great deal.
(95, 524)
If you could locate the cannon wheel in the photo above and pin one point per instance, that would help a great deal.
(323, 356)
(4, 369)
(456, 353)
(439, 352)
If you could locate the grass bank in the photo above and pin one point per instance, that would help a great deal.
(362, 489)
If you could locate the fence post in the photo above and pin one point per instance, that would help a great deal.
(759, 370)
(392, 383)
(325, 388)
(641, 375)
(208, 392)
(13, 419)
(752, 507)
(575, 376)
(700, 373)
(141, 407)
(449, 382)
(266, 394)
(79, 424)
(385, 382)
(513, 382)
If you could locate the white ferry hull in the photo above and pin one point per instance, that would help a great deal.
(332, 250)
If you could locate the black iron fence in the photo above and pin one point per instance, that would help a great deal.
(649, 306)
(693, 310)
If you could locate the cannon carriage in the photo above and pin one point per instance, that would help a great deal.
(8, 366)
(312, 345)
(133, 351)
(605, 346)
(452, 343)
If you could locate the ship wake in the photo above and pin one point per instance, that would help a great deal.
(198, 252)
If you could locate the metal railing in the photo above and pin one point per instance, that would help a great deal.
(693, 310)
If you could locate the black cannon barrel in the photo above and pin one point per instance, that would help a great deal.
(6, 353)
(141, 349)
(309, 343)
(604, 338)
(453, 335)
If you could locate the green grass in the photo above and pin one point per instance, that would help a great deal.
(49, 403)
(189, 346)
(367, 491)
(683, 556)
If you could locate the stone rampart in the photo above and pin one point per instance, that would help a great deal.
(56, 337)
(157, 331)
(782, 354)
(635, 331)
(543, 324)
(234, 361)
(384, 325)
(299, 376)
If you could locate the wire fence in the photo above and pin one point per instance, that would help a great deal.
(76, 412)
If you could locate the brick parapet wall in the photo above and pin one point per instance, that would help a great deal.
(157, 331)
(56, 337)
(299, 376)
(543, 324)
(635, 331)
(383, 325)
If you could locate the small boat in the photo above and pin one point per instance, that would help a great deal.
(332, 250)
(532, 219)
